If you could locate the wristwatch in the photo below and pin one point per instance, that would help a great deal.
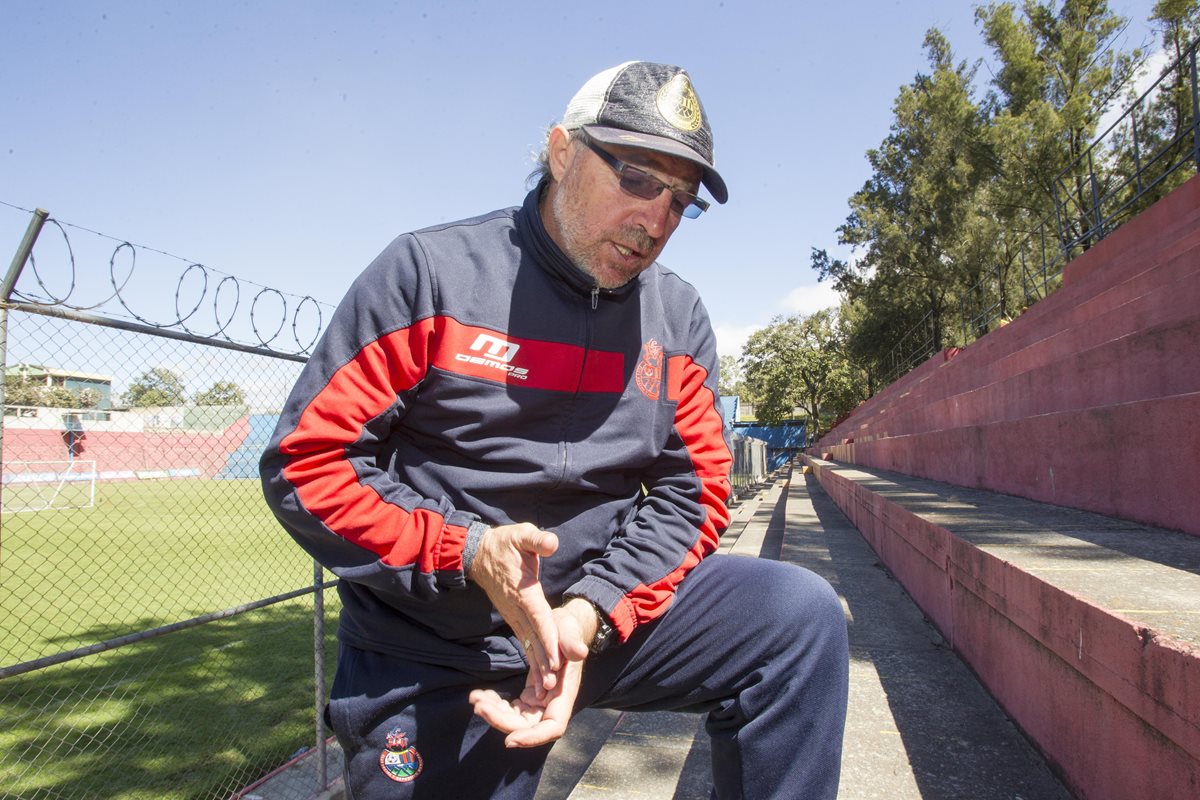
(606, 634)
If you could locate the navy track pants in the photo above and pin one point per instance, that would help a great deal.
(760, 646)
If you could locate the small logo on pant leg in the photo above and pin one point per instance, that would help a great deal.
(399, 761)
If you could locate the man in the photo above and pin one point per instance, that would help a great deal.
(508, 448)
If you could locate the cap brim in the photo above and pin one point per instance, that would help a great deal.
(660, 144)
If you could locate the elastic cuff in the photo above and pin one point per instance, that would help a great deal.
(475, 532)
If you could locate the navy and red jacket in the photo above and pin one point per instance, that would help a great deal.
(474, 376)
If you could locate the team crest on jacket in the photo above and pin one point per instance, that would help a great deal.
(400, 761)
(649, 370)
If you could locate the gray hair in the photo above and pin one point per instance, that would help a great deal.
(541, 161)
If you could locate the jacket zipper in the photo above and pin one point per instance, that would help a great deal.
(587, 348)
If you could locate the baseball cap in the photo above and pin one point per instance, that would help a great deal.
(652, 106)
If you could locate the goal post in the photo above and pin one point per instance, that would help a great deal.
(46, 485)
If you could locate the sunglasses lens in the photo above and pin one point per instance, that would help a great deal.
(639, 184)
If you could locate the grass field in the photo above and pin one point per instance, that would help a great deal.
(196, 713)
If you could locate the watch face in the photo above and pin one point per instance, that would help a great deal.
(604, 636)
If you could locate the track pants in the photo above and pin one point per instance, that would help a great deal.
(759, 646)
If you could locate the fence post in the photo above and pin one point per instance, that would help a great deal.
(1099, 216)
(319, 673)
(20, 258)
(1195, 109)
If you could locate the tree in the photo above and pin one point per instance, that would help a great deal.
(155, 387)
(732, 382)
(1059, 70)
(910, 221)
(89, 398)
(1148, 158)
(795, 361)
(58, 397)
(221, 393)
(19, 391)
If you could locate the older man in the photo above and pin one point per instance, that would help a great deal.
(508, 448)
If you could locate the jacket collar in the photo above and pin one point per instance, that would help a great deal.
(550, 257)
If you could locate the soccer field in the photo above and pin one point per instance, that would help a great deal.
(194, 713)
(147, 554)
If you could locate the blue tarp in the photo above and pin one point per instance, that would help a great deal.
(243, 462)
(782, 440)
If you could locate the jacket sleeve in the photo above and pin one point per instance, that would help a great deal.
(322, 473)
(684, 511)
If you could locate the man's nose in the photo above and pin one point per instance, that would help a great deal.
(655, 215)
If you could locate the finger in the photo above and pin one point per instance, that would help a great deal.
(542, 633)
(539, 679)
(497, 712)
(544, 732)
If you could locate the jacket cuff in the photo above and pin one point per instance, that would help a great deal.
(475, 532)
(603, 595)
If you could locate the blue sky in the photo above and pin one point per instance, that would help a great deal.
(287, 142)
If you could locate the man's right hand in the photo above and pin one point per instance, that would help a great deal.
(506, 567)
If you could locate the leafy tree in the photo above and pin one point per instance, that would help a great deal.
(58, 397)
(19, 391)
(732, 382)
(1059, 70)
(1148, 159)
(153, 388)
(910, 221)
(221, 393)
(796, 361)
(89, 398)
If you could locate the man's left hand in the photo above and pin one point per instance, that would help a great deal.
(538, 716)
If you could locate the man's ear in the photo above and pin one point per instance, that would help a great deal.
(558, 151)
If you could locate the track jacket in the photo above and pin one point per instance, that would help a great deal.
(474, 376)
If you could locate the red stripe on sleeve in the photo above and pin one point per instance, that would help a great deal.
(325, 480)
(698, 423)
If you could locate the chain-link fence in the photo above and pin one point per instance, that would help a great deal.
(158, 629)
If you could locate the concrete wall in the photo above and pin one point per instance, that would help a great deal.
(121, 454)
(1113, 705)
(1090, 399)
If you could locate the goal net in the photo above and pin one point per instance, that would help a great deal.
(43, 485)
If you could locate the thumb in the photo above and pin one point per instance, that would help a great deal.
(538, 542)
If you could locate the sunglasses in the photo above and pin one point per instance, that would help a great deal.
(640, 183)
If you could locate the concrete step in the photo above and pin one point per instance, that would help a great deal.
(1136, 461)
(1144, 276)
(1140, 350)
(904, 740)
(1084, 627)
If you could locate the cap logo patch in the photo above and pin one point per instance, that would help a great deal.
(678, 104)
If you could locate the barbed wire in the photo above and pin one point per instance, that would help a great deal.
(267, 312)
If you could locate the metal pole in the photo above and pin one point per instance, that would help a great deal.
(319, 673)
(1137, 155)
(1195, 110)
(6, 289)
(22, 254)
(1099, 232)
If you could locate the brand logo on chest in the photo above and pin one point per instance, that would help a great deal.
(494, 352)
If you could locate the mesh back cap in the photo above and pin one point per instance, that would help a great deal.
(652, 106)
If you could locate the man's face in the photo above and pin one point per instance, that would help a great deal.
(607, 232)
